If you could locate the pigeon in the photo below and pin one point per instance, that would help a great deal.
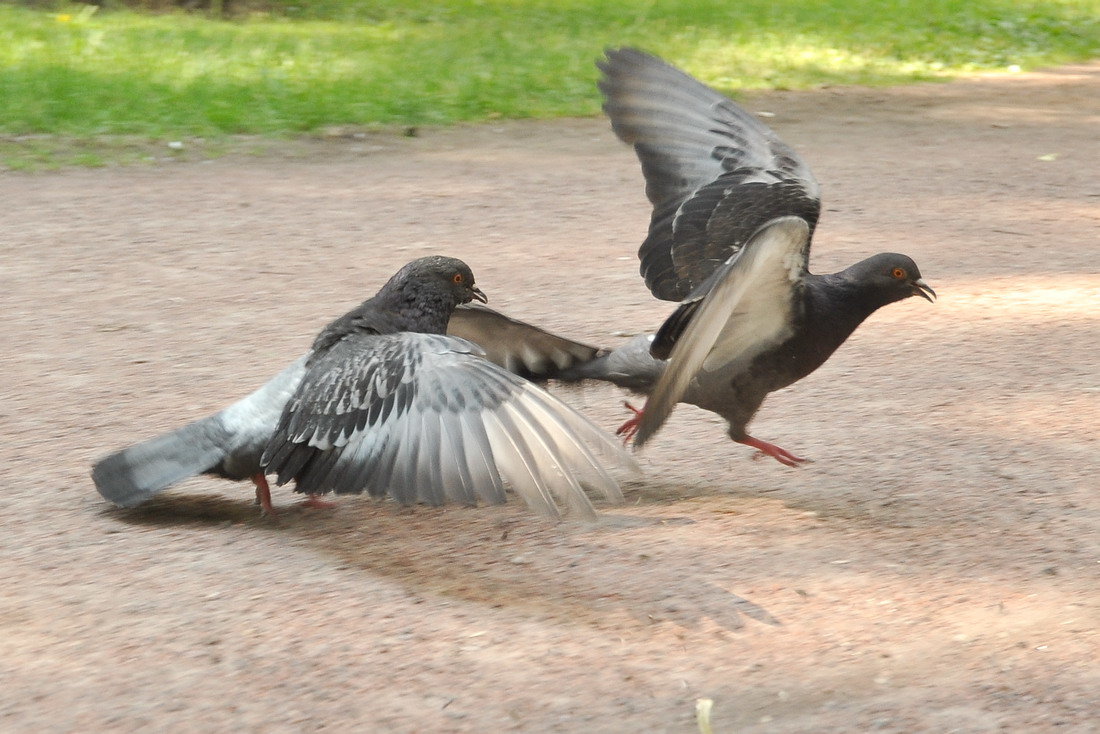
(387, 403)
(734, 211)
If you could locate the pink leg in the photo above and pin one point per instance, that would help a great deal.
(770, 449)
(263, 498)
(628, 429)
(263, 495)
(315, 501)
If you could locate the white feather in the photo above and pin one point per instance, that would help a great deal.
(747, 311)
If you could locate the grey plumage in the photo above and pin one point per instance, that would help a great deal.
(384, 402)
(631, 366)
(713, 172)
(734, 211)
(424, 418)
(227, 444)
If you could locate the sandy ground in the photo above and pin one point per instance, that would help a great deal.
(936, 569)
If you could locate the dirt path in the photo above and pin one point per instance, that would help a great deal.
(936, 569)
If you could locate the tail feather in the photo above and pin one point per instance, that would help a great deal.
(133, 475)
(630, 365)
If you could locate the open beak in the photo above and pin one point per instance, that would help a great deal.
(476, 293)
(922, 289)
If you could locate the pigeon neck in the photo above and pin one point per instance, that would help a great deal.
(418, 307)
(396, 308)
(838, 305)
(857, 294)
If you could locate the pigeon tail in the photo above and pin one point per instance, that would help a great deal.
(227, 443)
(133, 475)
(630, 366)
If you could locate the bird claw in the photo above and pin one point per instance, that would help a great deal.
(263, 496)
(781, 455)
(630, 428)
(315, 501)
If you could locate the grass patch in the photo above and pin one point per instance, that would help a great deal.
(74, 72)
(53, 152)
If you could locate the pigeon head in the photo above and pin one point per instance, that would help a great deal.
(445, 276)
(888, 277)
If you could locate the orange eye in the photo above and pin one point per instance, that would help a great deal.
(458, 278)
(899, 273)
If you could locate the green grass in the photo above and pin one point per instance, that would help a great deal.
(71, 72)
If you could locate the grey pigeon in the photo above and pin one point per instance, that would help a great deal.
(734, 210)
(385, 402)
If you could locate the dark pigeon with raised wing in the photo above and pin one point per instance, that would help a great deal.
(386, 403)
(734, 211)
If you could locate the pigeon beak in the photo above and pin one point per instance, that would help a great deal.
(922, 289)
(476, 293)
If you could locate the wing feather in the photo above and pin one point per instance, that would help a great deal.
(454, 474)
(519, 347)
(569, 436)
(747, 310)
(520, 466)
(565, 432)
(480, 460)
(562, 484)
(425, 418)
(714, 173)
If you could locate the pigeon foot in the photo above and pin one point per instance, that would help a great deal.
(770, 449)
(263, 495)
(315, 501)
(628, 429)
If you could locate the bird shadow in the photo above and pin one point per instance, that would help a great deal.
(502, 557)
(169, 510)
(577, 573)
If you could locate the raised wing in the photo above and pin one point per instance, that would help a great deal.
(714, 173)
(518, 347)
(425, 418)
(748, 310)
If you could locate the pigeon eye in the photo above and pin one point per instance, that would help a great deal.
(898, 273)
(458, 278)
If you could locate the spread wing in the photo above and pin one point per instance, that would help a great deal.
(425, 418)
(518, 347)
(714, 173)
(750, 308)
